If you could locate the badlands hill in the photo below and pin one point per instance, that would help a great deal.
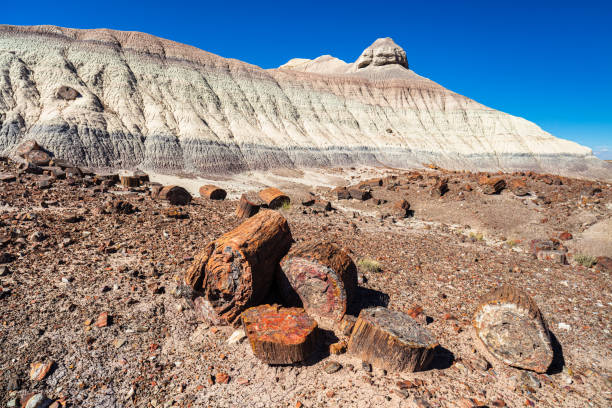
(104, 98)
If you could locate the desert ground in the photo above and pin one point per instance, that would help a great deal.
(91, 284)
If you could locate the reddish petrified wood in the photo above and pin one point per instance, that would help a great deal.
(491, 185)
(510, 326)
(280, 335)
(391, 340)
(130, 181)
(212, 192)
(246, 208)
(273, 197)
(321, 277)
(38, 157)
(440, 188)
(518, 187)
(342, 193)
(359, 194)
(175, 195)
(401, 208)
(235, 271)
(27, 147)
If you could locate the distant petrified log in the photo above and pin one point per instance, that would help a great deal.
(280, 335)
(130, 181)
(401, 208)
(273, 197)
(27, 147)
(175, 195)
(155, 189)
(342, 193)
(518, 187)
(440, 188)
(391, 340)
(212, 192)
(492, 185)
(322, 205)
(321, 277)
(235, 271)
(38, 157)
(359, 194)
(246, 208)
(511, 327)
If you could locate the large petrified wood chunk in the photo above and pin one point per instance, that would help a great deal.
(27, 147)
(175, 195)
(440, 188)
(493, 185)
(247, 207)
(391, 340)
(130, 181)
(518, 187)
(512, 329)
(280, 335)
(321, 277)
(235, 271)
(273, 197)
(359, 194)
(212, 192)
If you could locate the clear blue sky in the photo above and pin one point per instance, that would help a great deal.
(547, 61)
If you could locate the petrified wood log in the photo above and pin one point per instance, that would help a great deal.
(321, 277)
(175, 195)
(212, 192)
(280, 335)
(342, 193)
(246, 208)
(493, 185)
(38, 157)
(440, 188)
(273, 197)
(391, 340)
(130, 181)
(235, 271)
(518, 187)
(401, 208)
(511, 327)
(359, 194)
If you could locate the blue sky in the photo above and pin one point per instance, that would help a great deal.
(547, 61)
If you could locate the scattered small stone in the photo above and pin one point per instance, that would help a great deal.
(367, 367)
(102, 320)
(331, 367)
(236, 337)
(39, 370)
(222, 378)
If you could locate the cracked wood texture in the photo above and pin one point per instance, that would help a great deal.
(321, 277)
(511, 327)
(235, 271)
(175, 195)
(280, 335)
(391, 340)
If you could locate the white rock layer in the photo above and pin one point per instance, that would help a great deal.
(150, 103)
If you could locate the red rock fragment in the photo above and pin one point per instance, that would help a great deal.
(102, 320)
(39, 370)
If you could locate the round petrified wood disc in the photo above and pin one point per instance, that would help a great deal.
(512, 329)
(321, 277)
(280, 335)
(391, 340)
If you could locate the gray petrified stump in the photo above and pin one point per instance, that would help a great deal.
(280, 335)
(511, 327)
(391, 340)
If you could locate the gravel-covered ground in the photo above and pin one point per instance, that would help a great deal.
(68, 257)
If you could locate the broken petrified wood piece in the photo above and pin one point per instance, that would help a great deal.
(510, 326)
(359, 194)
(391, 340)
(235, 271)
(273, 197)
(38, 157)
(175, 195)
(401, 208)
(342, 193)
(493, 185)
(212, 192)
(440, 188)
(247, 207)
(130, 181)
(321, 277)
(518, 187)
(280, 335)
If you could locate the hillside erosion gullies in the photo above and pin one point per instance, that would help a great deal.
(103, 98)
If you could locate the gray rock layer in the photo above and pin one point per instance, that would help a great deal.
(103, 98)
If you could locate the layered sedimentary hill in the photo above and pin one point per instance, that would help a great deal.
(104, 98)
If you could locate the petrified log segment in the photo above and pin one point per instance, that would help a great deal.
(280, 335)
(235, 271)
(391, 340)
(246, 208)
(38, 157)
(440, 188)
(518, 187)
(273, 197)
(321, 277)
(512, 329)
(212, 192)
(342, 193)
(130, 181)
(359, 194)
(493, 185)
(175, 195)
(401, 208)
